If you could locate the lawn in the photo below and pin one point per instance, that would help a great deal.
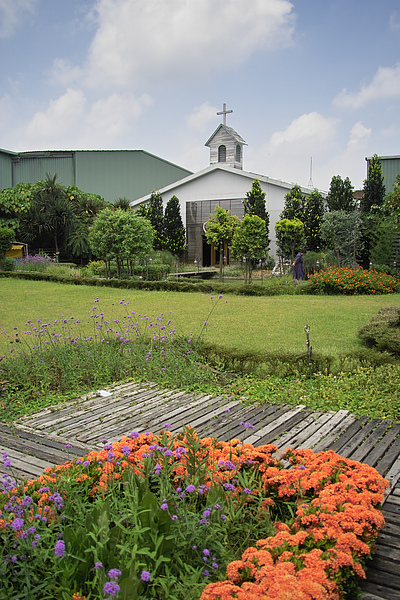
(246, 323)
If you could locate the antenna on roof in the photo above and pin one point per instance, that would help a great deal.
(310, 181)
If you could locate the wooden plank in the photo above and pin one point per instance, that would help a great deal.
(229, 427)
(358, 438)
(379, 591)
(317, 436)
(348, 434)
(382, 578)
(368, 596)
(387, 461)
(369, 444)
(282, 428)
(284, 440)
(338, 430)
(393, 475)
(381, 447)
(255, 437)
(298, 440)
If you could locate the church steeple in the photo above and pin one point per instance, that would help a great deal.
(226, 145)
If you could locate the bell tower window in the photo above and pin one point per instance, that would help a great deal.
(222, 153)
(238, 153)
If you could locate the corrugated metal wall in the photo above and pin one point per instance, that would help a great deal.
(390, 170)
(124, 173)
(35, 168)
(5, 170)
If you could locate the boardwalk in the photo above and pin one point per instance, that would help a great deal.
(38, 441)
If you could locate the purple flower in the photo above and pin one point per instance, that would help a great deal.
(206, 552)
(17, 524)
(126, 450)
(206, 573)
(111, 588)
(98, 565)
(114, 573)
(301, 467)
(190, 488)
(229, 487)
(164, 505)
(59, 549)
(167, 425)
(145, 576)
(174, 517)
(246, 491)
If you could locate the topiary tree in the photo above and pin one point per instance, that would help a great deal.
(219, 231)
(6, 239)
(174, 231)
(374, 189)
(249, 242)
(290, 237)
(341, 195)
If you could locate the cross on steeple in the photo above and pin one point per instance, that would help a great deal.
(224, 112)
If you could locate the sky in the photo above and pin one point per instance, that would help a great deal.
(314, 85)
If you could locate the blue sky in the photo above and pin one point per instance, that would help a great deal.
(306, 79)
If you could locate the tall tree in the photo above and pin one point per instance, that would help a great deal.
(313, 215)
(342, 231)
(374, 189)
(15, 202)
(249, 242)
(155, 214)
(294, 204)
(254, 204)
(85, 207)
(219, 230)
(174, 231)
(341, 195)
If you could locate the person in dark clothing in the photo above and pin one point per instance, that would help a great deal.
(298, 273)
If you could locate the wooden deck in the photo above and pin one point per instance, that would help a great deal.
(38, 441)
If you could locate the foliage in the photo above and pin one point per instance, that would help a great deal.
(36, 262)
(254, 204)
(289, 236)
(342, 231)
(392, 200)
(14, 202)
(119, 234)
(352, 281)
(155, 214)
(313, 215)
(294, 206)
(122, 203)
(249, 242)
(174, 231)
(340, 196)
(85, 207)
(7, 236)
(314, 261)
(383, 331)
(219, 230)
(158, 516)
(374, 189)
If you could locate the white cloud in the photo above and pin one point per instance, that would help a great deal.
(394, 21)
(12, 12)
(153, 42)
(201, 116)
(65, 74)
(359, 134)
(311, 127)
(59, 118)
(385, 84)
(111, 116)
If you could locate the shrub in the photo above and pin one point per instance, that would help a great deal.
(341, 280)
(32, 263)
(383, 331)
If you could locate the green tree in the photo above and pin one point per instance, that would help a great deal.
(313, 215)
(343, 232)
(14, 202)
(120, 235)
(122, 203)
(6, 239)
(249, 242)
(374, 189)
(290, 237)
(219, 231)
(341, 195)
(174, 231)
(392, 200)
(155, 214)
(85, 207)
(294, 204)
(254, 204)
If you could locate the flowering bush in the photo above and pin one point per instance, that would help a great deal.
(157, 516)
(341, 280)
(32, 263)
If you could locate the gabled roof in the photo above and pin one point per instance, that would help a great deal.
(230, 132)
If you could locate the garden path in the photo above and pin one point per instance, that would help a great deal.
(37, 441)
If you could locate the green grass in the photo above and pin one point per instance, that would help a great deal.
(246, 323)
(361, 383)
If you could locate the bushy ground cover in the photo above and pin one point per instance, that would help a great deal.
(183, 518)
(383, 331)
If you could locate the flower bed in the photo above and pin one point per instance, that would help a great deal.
(183, 517)
(341, 280)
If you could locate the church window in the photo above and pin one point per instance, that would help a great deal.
(222, 153)
(238, 153)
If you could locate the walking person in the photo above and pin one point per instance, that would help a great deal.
(298, 273)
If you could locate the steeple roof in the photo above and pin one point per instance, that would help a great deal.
(228, 130)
